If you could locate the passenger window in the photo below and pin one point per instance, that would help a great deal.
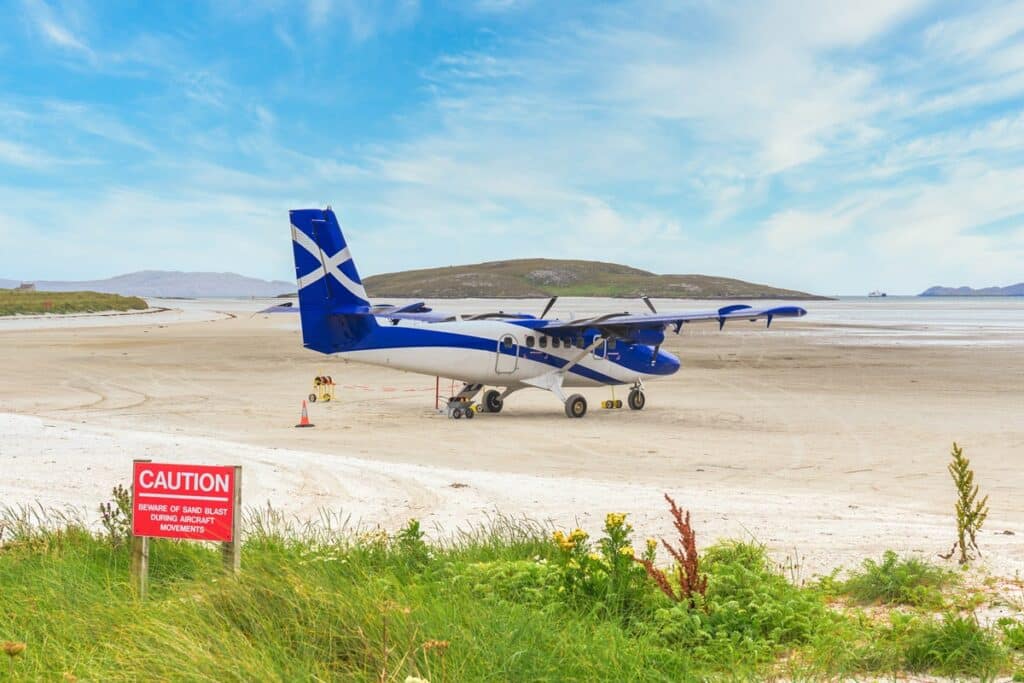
(555, 342)
(543, 342)
(611, 344)
(507, 343)
(529, 341)
(580, 344)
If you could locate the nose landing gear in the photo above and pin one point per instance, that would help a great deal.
(636, 398)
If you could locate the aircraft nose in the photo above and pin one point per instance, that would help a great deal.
(667, 363)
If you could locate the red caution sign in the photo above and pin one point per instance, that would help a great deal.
(183, 501)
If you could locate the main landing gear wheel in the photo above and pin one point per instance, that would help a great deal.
(493, 403)
(576, 406)
(636, 399)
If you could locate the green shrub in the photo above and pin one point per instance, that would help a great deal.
(608, 579)
(956, 645)
(1013, 633)
(526, 581)
(750, 613)
(898, 581)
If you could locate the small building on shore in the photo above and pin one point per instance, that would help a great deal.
(26, 287)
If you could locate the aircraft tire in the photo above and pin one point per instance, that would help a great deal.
(636, 400)
(456, 413)
(493, 403)
(470, 414)
(312, 398)
(576, 406)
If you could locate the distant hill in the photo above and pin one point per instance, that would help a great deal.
(164, 283)
(528, 278)
(1012, 290)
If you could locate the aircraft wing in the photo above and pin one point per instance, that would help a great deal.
(621, 324)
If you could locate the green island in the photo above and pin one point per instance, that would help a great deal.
(510, 601)
(24, 302)
(533, 278)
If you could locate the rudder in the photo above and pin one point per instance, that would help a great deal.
(333, 305)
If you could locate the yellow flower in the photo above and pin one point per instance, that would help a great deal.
(594, 556)
(559, 537)
(578, 535)
(614, 519)
(652, 545)
(627, 551)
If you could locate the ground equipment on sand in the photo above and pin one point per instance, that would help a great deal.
(323, 389)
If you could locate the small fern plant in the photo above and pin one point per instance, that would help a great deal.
(970, 512)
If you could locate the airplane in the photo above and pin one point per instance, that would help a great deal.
(506, 351)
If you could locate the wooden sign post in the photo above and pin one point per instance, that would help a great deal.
(231, 551)
(189, 502)
(140, 554)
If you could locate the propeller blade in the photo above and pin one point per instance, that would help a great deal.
(551, 302)
(647, 300)
(654, 356)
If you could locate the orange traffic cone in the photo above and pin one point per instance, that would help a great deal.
(304, 421)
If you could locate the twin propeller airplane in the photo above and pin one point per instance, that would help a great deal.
(509, 351)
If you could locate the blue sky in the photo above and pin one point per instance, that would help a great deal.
(831, 147)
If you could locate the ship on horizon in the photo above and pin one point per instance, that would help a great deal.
(877, 293)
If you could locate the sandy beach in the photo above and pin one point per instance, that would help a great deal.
(825, 438)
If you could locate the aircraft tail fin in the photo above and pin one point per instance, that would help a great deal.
(333, 304)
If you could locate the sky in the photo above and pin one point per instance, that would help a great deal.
(828, 147)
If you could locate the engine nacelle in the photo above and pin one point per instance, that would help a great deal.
(650, 337)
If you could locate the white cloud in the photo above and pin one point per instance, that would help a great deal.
(978, 31)
(791, 227)
(363, 20)
(54, 30)
(33, 158)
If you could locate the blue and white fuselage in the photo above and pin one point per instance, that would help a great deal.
(510, 351)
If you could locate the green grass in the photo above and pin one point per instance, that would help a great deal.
(500, 603)
(896, 581)
(14, 302)
(955, 646)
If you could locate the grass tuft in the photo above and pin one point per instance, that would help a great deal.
(956, 645)
(896, 581)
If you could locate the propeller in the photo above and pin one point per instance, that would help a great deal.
(647, 300)
(551, 302)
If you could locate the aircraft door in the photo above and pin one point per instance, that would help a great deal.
(508, 355)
